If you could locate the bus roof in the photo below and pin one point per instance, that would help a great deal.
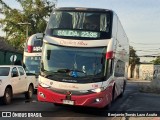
(83, 9)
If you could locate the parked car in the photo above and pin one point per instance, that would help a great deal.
(13, 80)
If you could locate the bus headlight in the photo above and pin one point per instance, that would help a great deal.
(44, 85)
(98, 90)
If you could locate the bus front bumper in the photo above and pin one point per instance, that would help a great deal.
(97, 100)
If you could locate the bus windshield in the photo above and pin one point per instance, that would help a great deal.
(79, 24)
(73, 64)
(32, 64)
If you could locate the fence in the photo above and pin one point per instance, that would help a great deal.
(146, 72)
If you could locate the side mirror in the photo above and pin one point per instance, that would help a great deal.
(48, 54)
(23, 65)
(14, 74)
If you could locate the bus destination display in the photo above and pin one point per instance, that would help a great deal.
(76, 33)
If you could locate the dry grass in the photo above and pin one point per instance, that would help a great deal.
(152, 87)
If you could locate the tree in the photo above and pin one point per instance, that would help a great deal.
(133, 59)
(34, 12)
(156, 61)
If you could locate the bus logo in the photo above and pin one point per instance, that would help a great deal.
(68, 93)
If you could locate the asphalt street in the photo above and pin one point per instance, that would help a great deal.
(132, 101)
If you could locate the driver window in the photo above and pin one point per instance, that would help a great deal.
(14, 72)
(109, 67)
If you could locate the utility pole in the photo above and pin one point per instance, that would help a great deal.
(27, 24)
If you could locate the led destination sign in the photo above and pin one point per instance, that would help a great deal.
(76, 33)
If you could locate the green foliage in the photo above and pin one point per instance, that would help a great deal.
(34, 12)
(134, 59)
(156, 61)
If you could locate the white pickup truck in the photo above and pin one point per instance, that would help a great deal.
(13, 80)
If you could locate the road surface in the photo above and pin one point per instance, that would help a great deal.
(132, 100)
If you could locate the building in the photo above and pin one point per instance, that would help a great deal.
(7, 52)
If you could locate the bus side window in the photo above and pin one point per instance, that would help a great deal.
(109, 67)
(119, 69)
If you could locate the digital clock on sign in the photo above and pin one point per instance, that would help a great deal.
(76, 33)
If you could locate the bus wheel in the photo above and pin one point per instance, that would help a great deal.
(7, 98)
(56, 104)
(110, 104)
(29, 93)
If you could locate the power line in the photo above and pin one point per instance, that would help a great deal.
(145, 43)
(146, 51)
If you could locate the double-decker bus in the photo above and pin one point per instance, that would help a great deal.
(84, 58)
(32, 54)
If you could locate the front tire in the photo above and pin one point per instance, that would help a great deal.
(57, 105)
(108, 106)
(29, 93)
(7, 98)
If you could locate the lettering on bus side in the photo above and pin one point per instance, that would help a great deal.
(37, 49)
(68, 86)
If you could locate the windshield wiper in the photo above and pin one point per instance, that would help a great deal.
(47, 74)
(73, 73)
(69, 70)
(63, 70)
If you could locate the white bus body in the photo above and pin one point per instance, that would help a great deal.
(83, 66)
(32, 55)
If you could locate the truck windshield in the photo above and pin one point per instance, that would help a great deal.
(75, 64)
(4, 71)
(32, 64)
(79, 24)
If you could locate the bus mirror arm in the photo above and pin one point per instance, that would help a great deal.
(43, 35)
(48, 54)
(23, 65)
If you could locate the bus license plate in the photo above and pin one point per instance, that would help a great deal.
(69, 102)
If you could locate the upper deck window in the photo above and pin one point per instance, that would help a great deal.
(79, 24)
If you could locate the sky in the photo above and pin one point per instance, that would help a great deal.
(140, 20)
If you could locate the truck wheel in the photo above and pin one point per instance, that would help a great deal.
(7, 98)
(29, 93)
